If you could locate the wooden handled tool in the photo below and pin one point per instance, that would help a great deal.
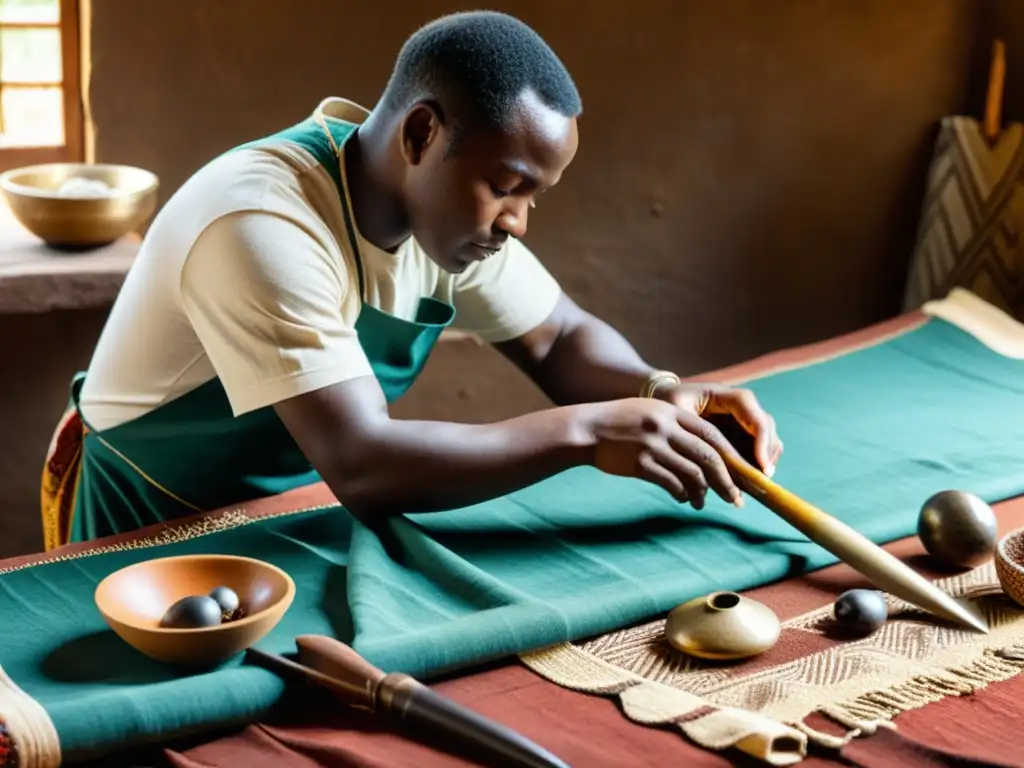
(883, 569)
(335, 666)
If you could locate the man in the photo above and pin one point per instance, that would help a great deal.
(295, 286)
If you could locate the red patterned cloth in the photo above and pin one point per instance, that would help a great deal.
(8, 752)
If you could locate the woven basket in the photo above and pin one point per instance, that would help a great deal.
(1009, 561)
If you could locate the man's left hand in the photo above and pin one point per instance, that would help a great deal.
(714, 399)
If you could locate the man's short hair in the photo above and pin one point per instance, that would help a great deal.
(482, 62)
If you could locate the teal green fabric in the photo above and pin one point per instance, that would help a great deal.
(868, 437)
(193, 454)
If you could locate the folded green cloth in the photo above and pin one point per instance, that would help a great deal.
(868, 437)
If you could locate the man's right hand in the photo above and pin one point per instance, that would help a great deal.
(653, 440)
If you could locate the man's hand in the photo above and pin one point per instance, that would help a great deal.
(575, 358)
(702, 400)
(661, 443)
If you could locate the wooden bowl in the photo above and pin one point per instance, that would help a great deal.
(1009, 561)
(133, 600)
(44, 200)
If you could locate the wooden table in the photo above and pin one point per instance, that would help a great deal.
(590, 731)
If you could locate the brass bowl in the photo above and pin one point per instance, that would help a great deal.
(1009, 562)
(134, 599)
(70, 221)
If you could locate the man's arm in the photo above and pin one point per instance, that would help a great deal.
(273, 332)
(378, 465)
(575, 357)
(514, 303)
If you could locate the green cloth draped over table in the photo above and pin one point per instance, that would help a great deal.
(869, 435)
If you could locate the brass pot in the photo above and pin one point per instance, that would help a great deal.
(722, 626)
(43, 200)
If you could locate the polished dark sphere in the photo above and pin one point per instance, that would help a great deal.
(226, 599)
(958, 529)
(861, 611)
(191, 613)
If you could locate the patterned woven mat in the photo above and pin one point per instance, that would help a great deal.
(760, 708)
(972, 218)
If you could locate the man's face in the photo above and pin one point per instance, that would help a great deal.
(462, 208)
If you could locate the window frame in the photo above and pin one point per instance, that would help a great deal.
(73, 148)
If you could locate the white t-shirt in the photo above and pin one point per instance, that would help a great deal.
(246, 274)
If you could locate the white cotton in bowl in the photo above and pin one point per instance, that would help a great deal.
(79, 187)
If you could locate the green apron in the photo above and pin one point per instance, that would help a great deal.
(192, 454)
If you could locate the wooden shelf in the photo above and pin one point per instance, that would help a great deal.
(35, 278)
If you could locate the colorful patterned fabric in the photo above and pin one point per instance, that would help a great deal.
(8, 751)
(61, 471)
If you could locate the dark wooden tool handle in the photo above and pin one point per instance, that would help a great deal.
(333, 658)
(353, 695)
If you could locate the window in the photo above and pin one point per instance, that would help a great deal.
(40, 91)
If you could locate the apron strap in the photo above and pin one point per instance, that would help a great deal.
(343, 195)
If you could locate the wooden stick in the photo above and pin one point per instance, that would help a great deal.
(996, 81)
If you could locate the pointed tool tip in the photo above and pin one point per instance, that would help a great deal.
(969, 614)
(977, 626)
